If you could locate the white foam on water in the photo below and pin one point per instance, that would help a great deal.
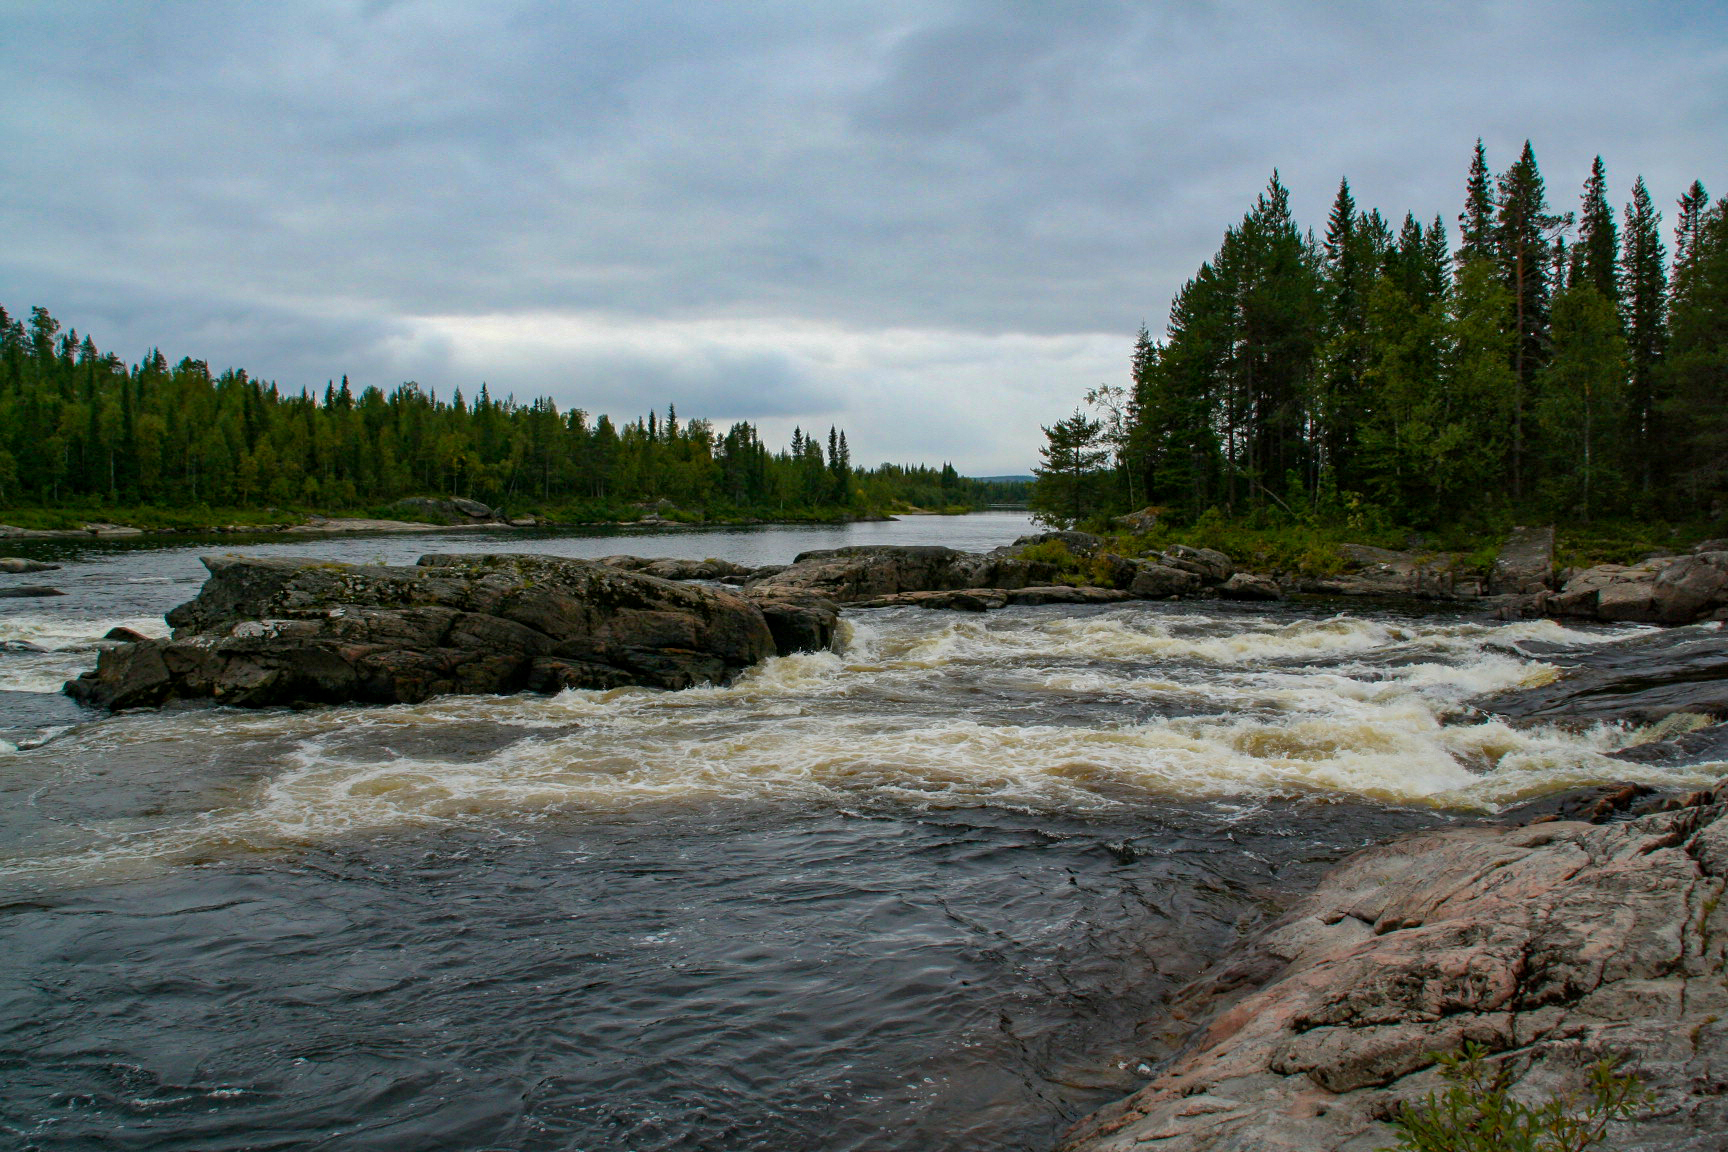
(69, 642)
(1352, 707)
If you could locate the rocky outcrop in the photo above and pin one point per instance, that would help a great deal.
(287, 631)
(19, 564)
(1662, 589)
(1370, 571)
(798, 621)
(984, 599)
(455, 510)
(850, 575)
(887, 575)
(670, 568)
(1639, 680)
(1553, 945)
(1525, 563)
(1247, 586)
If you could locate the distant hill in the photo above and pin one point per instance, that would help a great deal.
(1003, 479)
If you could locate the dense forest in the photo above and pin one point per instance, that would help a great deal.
(81, 429)
(1550, 364)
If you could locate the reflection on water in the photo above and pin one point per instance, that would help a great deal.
(912, 894)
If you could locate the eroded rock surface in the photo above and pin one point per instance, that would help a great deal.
(286, 631)
(1639, 680)
(1554, 945)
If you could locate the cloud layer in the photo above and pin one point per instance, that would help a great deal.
(935, 224)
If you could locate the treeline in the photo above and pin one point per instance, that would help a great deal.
(1550, 364)
(78, 427)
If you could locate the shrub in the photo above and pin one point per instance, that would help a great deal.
(1477, 1113)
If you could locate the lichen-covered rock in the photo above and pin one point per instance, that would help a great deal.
(1553, 945)
(286, 631)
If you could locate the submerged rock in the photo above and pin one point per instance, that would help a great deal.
(28, 591)
(285, 631)
(1552, 945)
(19, 564)
(1640, 680)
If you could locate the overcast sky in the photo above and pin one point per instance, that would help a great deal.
(935, 224)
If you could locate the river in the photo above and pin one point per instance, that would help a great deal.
(913, 895)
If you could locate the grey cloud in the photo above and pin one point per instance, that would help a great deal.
(307, 181)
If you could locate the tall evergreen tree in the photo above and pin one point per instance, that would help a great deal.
(1644, 316)
(1697, 365)
(1476, 222)
(1596, 255)
(1525, 236)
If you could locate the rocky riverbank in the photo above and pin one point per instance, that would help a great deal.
(1586, 926)
(1554, 945)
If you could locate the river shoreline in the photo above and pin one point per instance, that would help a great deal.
(1195, 765)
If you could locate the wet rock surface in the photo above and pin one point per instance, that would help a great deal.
(19, 564)
(1554, 945)
(1640, 680)
(289, 631)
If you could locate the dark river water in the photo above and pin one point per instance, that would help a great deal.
(916, 894)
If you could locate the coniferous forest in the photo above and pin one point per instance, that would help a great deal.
(1564, 365)
(81, 430)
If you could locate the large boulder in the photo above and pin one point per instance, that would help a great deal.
(799, 621)
(1154, 581)
(1248, 586)
(454, 510)
(1553, 946)
(1691, 587)
(1525, 563)
(19, 564)
(1211, 565)
(285, 631)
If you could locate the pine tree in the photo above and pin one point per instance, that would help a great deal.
(1070, 479)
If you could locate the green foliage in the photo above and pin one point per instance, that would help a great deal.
(81, 430)
(1476, 1112)
(1544, 370)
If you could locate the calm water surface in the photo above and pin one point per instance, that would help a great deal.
(911, 895)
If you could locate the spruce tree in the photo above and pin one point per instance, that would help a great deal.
(1476, 222)
(1525, 235)
(1644, 315)
(1697, 366)
(1596, 255)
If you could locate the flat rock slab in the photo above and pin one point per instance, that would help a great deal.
(1553, 945)
(1640, 680)
(286, 631)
